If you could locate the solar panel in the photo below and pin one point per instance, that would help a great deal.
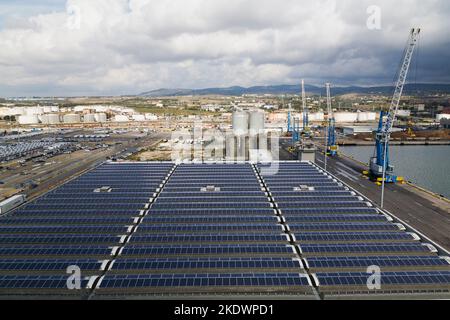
(16, 220)
(241, 227)
(406, 278)
(36, 265)
(353, 236)
(208, 250)
(94, 229)
(59, 239)
(364, 248)
(155, 219)
(208, 238)
(52, 250)
(350, 226)
(335, 218)
(205, 280)
(210, 205)
(178, 265)
(39, 282)
(381, 261)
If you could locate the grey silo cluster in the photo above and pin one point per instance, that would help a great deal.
(248, 134)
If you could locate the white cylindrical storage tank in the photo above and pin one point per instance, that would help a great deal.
(240, 123)
(121, 118)
(371, 116)
(47, 109)
(138, 117)
(100, 117)
(151, 117)
(257, 122)
(343, 117)
(441, 116)
(33, 111)
(72, 118)
(54, 109)
(53, 118)
(89, 117)
(363, 117)
(317, 116)
(28, 119)
(18, 111)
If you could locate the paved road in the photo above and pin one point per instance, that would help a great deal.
(423, 212)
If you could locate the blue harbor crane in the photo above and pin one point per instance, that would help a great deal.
(380, 169)
(305, 111)
(296, 131)
(332, 148)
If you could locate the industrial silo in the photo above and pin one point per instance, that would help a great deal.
(345, 117)
(138, 117)
(28, 119)
(89, 118)
(121, 118)
(100, 117)
(240, 131)
(363, 116)
(53, 118)
(257, 139)
(257, 122)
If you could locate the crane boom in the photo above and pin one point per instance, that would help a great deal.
(331, 136)
(380, 169)
(413, 38)
(305, 109)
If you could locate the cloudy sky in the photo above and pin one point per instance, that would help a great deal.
(111, 47)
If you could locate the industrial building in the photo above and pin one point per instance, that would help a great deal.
(158, 229)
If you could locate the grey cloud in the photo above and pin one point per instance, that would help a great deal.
(137, 45)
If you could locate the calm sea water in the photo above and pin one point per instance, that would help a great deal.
(425, 166)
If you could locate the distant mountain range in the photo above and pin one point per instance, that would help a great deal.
(420, 89)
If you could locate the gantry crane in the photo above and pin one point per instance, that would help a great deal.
(380, 169)
(305, 111)
(332, 148)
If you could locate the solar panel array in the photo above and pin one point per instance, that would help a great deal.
(159, 228)
(210, 229)
(74, 226)
(342, 237)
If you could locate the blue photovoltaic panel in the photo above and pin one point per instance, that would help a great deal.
(205, 263)
(211, 228)
(73, 212)
(381, 261)
(36, 265)
(242, 249)
(387, 278)
(303, 211)
(353, 236)
(205, 280)
(208, 238)
(210, 205)
(364, 248)
(63, 229)
(16, 220)
(155, 219)
(215, 199)
(52, 250)
(214, 211)
(335, 218)
(344, 226)
(38, 282)
(59, 239)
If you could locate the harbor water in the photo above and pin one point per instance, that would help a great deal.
(425, 166)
